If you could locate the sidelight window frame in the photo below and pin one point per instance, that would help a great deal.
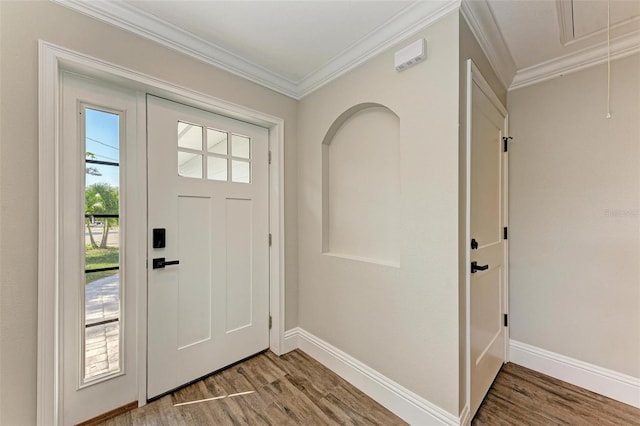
(121, 268)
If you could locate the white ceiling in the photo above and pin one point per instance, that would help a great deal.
(295, 47)
(533, 30)
(290, 38)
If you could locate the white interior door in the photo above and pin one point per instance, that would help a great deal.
(208, 189)
(488, 211)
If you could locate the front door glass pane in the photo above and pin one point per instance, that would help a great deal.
(217, 141)
(241, 146)
(217, 168)
(189, 136)
(189, 165)
(241, 171)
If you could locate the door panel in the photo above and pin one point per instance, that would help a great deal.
(486, 173)
(194, 293)
(239, 280)
(208, 186)
(487, 326)
(487, 214)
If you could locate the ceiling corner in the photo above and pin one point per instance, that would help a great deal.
(483, 24)
(400, 27)
(620, 47)
(146, 25)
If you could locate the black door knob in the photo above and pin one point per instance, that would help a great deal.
(160, 263)
(475, 267)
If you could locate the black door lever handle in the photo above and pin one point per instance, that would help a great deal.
(160, 263)
(475, 267)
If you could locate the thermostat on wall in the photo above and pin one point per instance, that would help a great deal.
(410, 55)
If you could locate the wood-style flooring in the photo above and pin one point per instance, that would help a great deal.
(520, 396)
(297, 390)
(293, 389)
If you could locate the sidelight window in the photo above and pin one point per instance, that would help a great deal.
(101, 340)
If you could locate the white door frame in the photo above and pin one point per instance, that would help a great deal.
(473, 75)
(53, 59)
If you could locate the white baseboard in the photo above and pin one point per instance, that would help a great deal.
(465, 416)
(291, 340)
(402, 402)
(612, 384)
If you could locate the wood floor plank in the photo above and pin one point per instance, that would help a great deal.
(295, 402)
(293, 389)
(520, 396)
(299, 364)
(348, 408)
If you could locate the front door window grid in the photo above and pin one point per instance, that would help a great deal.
(220, 161)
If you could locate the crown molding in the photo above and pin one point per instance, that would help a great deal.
(483, 25)
(146, 25)
(622, 46)
(399, 27)
(566, 25)
(403, 25)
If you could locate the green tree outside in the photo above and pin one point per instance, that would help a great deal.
(101, 198)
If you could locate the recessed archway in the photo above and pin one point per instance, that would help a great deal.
(361, 185)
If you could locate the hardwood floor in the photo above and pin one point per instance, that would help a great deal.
(295, 389)
(290, 390)
(520, 396)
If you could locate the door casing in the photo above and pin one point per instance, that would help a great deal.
(52, 60)
(473, 75)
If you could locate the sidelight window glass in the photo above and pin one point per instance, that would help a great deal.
(101, 342)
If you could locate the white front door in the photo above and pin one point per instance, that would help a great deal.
(208, 209)
(488, 211)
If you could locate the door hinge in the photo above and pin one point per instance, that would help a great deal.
(270, 322)
(269, 157)
(506, 233)
(506, 320)
(506, 140)
(270, 240)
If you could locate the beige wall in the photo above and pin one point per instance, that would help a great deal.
(403, 322)
(575, 216)
(21, 25)
(469, 49)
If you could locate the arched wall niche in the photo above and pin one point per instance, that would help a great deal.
(361, 185)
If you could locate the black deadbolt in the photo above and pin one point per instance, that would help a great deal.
(159, 238)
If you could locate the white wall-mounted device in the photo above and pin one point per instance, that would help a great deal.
(410, 55)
